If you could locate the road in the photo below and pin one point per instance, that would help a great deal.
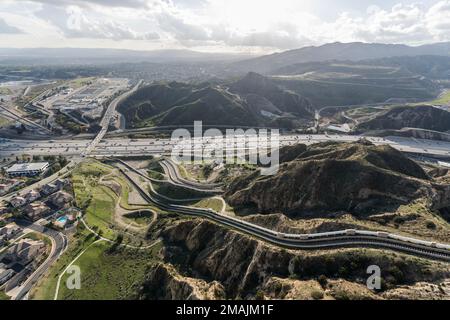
(328, 240)
(144, 147)
(171, 170)
(24, 120)
(59, 244)
(106, 120)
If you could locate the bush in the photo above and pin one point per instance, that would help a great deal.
(317, 295)
(431, 225)
(259, 295)
(323, 281)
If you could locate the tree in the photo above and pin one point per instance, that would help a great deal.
(323, 281)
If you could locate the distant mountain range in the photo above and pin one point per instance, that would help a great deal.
(105, 56)
(354, 51)
(239, 62)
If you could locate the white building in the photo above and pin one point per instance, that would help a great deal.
(27, 169)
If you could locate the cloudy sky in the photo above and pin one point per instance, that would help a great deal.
(219, 25)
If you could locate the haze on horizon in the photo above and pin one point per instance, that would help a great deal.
(250, 26)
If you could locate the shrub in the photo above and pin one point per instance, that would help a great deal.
(317, 295)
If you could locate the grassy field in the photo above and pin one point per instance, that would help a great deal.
(99, 214)
(105, 273)
(3, 296)
(212, 203)
(99, 201)
(443, 100)
(4, 121)
(46, 287)
(142, 218)
(176, 192)
(5, 91)
(78, 83)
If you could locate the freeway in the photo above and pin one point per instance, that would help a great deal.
(328, 240)
(59, 244)
(105, 122)
(151, 146)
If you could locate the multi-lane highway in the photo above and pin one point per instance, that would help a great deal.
(327, 240)
(137, 147)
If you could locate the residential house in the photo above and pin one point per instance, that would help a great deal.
(25, 251)
(5, 274)
(48, 189)
(36, 210)
(61, 183)
(60, 199)
(6, 185)
(9, 231)
(32, 195)
(3, 208)
(18, 201)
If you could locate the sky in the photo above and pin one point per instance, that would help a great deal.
(241, 26)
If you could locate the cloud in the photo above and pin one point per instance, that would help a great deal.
(73, 22)
(108, 3)
(180, 29)
(8, 29)
(240, 25)
(438, 21)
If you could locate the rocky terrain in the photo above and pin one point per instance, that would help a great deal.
(357, 177)
(205, 261)
(422, 117)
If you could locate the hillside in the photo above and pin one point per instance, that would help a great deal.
(254, 85)
(354, 51)
(251, 101)
(203, 260)
(368, 81)
(423, 117)
(328, 177)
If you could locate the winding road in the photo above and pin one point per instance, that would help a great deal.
(171, 170)
(328, 240)
(59, 245)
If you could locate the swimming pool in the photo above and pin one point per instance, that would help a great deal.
(62, 219)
